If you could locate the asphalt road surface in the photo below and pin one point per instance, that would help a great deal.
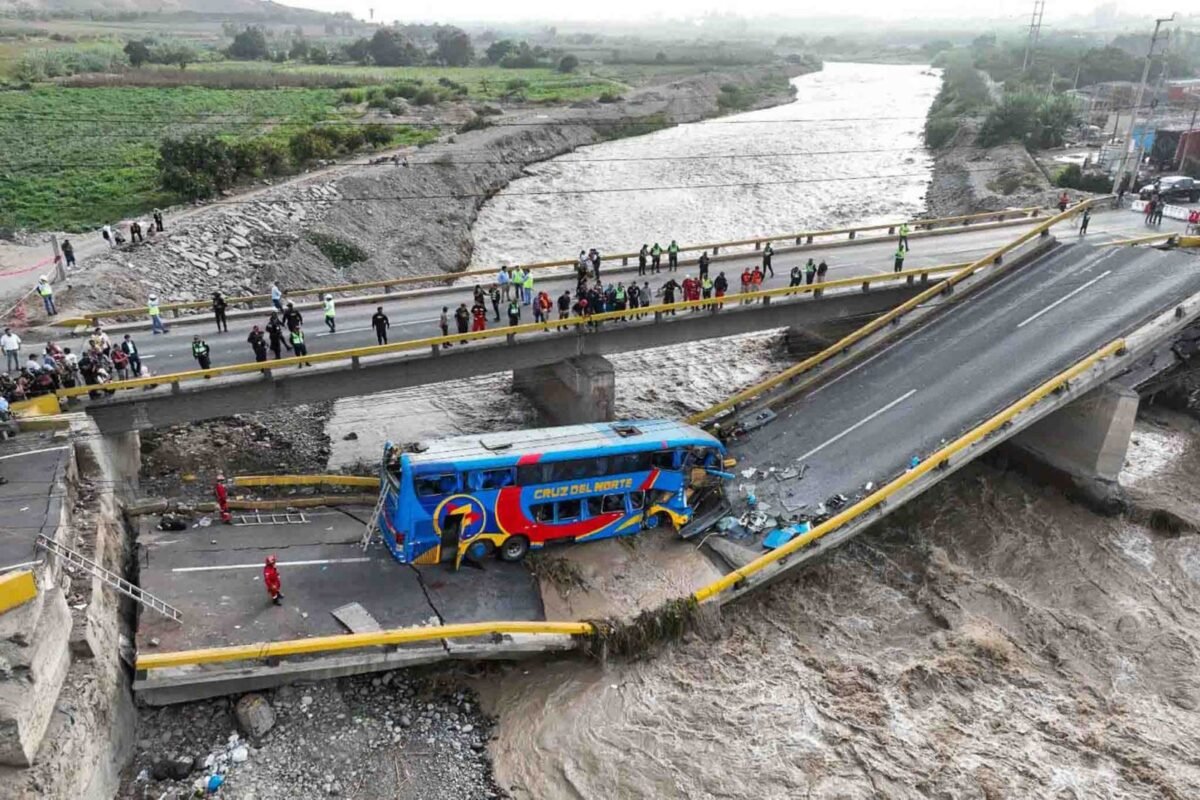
(416, 316)
(981, 356)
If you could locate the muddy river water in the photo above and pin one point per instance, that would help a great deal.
(991, 641)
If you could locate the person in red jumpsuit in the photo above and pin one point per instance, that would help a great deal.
(478, 317)
(271, 581)
(222, 495)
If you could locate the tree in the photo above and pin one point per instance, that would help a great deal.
(496, 52)
(196, 166)
(389, 48)
(569, 63)
(454, 47)
(249, 45)
(359, 50)
(299, 50)
(137, 52)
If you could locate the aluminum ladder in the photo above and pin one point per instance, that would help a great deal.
(271, 519)
(135, 593)
(373, 523)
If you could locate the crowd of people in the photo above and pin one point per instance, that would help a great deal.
(56, 367)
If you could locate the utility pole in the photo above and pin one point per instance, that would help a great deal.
(1035, 30)
(1123, 164)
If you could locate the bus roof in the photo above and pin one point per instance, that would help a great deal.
(632, 435)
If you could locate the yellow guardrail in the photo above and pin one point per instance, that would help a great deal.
(849, 340)
(16, 588)
(351, 641)
(393, 283)
(436, 342)
(931, 463)
(305, 480)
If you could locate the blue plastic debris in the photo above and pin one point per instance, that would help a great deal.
(781, 536)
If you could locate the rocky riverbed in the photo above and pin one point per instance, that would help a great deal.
(393, 736)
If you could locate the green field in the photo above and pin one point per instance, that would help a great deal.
(76, 158)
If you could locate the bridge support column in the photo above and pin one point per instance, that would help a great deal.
(576, 390)
(1086, 442)
(123, 454)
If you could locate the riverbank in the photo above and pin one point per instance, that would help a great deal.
(408, 217)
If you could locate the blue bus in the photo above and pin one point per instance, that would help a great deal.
(505, 493)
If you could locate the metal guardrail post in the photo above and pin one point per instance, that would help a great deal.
(866, 286)
(176, 388)
(511, 338)
(355, 363)
(852, 234)
(818, 293)
(716, 250)
(909, 280)
(437, 349)
(891, 230)
(809, 240)
(175, 313)
(758, 245)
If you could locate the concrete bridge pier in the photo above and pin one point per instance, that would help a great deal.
(1086, 442)
(571, 391)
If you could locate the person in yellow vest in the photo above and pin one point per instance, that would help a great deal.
(46, 292)
(330, 313)
(299, 349)
(904, 235)
(156, 323)
(528, 287)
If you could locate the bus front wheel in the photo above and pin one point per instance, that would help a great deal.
(514, 548)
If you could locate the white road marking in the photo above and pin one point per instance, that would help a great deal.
(149, 356)
(859, 424)
(1062, 300)
(339, 333)
(257, 565)
(34, 452)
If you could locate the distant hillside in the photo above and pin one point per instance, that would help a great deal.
(255, 8)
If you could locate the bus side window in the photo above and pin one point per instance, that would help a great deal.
(568, 510)
(637, 500)
(478, 480)
(613, 502)
(433, 485)
(543, 512)
(664, 459)
(593, 506)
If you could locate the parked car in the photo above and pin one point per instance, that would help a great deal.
(1173, 187)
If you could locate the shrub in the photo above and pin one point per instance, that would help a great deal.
(516, 84)
(377, 135)
(341, 253)
(474, 124)
(308, 146)
(407, 90)
(196, 166)
(377, 99)
(610, 97)
(568, 63)
(352, 97)
(137, 52)
(939, 131)
(1073, 177)
(426, 97)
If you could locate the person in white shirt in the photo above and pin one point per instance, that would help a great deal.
(10, 343)
(33, 365)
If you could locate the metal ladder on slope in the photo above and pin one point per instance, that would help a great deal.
(373, 523)
(246, 520)
(109, 577)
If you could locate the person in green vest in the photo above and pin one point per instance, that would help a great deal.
(899, 263)
(527, 285)
(655, 258)
(810, 271)
(706, 287)
(904, 235)
(46, 292)
(620, 297)
(156, 323)
(673, 256)
(330, 313)
(200, 352)
(299, 348)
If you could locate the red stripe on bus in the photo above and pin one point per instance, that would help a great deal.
(529, 458)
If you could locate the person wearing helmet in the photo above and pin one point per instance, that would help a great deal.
(156, 323)
(222, 495)
(46, 292)
(219, 306)
(330, 312)
(272, 582)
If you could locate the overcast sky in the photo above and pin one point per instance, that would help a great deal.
(626, 10)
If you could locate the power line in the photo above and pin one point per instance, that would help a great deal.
(564, 159)
(591, 191)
